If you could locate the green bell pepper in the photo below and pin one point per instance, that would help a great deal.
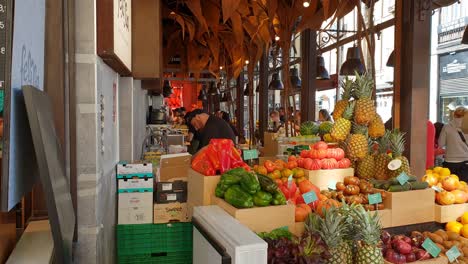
(262, 198)
(238, 198)
(279, 199)
(230, 179)
(250, 183)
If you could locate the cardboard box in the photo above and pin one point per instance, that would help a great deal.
(137, 170)
(385, 217)
(174, 166)
(170, 197)
(439, 260)
(135, 208)
(260, 219)
(175, 186)
(411, 207)
(324, 178)
(171, 212)
(270, 144)
(135, 184)
(202, 188)
(447, 213)
(297, 228)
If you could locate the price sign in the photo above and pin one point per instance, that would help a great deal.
(250, 154)
(310, 197)
(403, 178)
(332, 185)
(431, 247)
(453, 253)
(437, 188)
(290, 179)
(375, 198)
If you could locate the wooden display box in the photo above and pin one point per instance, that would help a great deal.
(447, 213)
(411, 207)
(260, 219)
(323, 178)
(439, 260)
(270, 144)
(201, 188)
(297, 228)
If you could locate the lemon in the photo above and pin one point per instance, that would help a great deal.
(437, 169)
(454, 227)
(463, 183)
(429, 172)
(464, 218)
(444, 172)
(464, 231)
(454, 176)
(437, 176)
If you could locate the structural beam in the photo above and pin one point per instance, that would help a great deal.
(240, 104)
(263, 95)
(412, 82)
(309, 74)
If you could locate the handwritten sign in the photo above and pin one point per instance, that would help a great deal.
(310, 197)
(375, 198)
(437, 188)
(403, 178)
(290, 179)
(250, 154)
(453, 253)
(332, 185)
(431, 247)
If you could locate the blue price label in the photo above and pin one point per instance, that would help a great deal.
(310, 197)
(375, 198)
(431, 247)
(403, 178)
(250, 154)
(332, 185)
(453, 253)
(290, 179)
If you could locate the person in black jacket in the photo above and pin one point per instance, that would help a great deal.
(209, 127)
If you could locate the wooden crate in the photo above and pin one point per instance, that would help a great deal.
(297, 228)
(270, 148)
(323, 178)
(439, 260)
(447, 213)
(201, 188)
(260, 219)
(411, 207)
(385, 217)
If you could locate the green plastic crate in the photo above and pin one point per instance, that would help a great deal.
(154, 238)
(158, 258)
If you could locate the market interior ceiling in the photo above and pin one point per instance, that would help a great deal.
(213, 35)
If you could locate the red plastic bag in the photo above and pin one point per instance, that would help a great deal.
(202, 164)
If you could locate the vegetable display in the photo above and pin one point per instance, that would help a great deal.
(243, 189)
(280, 169)
(404, 249)
(393, 185)
(321, 157)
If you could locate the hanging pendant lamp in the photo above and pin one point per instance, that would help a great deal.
(391, 59)
(167, 89)
(275, 83)
(322, 73)
(353, 62)
(465, 36)
(248, 90)
(296, 82)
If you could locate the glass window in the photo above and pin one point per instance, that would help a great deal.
(325, 100)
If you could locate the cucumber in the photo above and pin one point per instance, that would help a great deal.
(408, 186)
(394, 181)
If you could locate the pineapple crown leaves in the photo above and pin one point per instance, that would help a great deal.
(348, 86)
(397, 142)
(368, 226)
(349, 110)
(370, 145)
(360, 129)
(384, 142)
(363, 86)
(332, 227)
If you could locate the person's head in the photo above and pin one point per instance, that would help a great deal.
(460, 112)
(275, 116)
(196, 119)
(324, 115)
(281, 111)
(225, 116)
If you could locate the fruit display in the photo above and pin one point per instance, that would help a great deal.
(460, 226)
(280, 169)
(365, 111)
(294, 195)
(321, 157)
(381, 157)
(355, 191)
(446, 239)
(397, 146)
(393, 185)
(404, 249)
(450, 190)
(309, 128)
(243, 189)
(342, 104)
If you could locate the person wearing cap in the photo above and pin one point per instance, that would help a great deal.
(208, 127)
(456, 145)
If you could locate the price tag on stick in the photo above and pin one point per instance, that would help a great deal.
(453, 253)
(431, 247)
(290, 179)
(332, 185)
(250, 154)
(375, 198)
(310, 197)
(403, 178)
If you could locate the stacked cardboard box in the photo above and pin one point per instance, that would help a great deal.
(135, 193)
(170, 199)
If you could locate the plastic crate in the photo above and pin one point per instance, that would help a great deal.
(158, 258)
(154, 238)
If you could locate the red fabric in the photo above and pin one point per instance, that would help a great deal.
(430, 148)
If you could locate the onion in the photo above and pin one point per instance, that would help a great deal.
(385, 236)
(411, 257)
(402, 247)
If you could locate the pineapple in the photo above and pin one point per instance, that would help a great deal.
(341, 105)
(349, 247)
(368, 237)
(342, 126)
(397, 145)
(382, 158)
(357, 143)
(332, 228)
(365, 108)
(376, 127)
(366, 166)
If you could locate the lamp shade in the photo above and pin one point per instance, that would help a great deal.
(275, 83)
(353, 62)
(322, 73)
(167, 89)
(465, 36)
(248, 90)
(391, 59)
(296, 82)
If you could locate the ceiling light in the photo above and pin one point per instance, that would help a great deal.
(247, 62)
(306, 4)
(277, 38)
(172, 13)
(322, 73)
(220, 67)
(296, 82)
(391, 59)
(275, 83)
(353, 62)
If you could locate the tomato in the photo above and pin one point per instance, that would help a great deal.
(328, 164)
(279, 164)
(351, 180)
(335, 153)
(321, 145)
(306, 186)
(304, 153)
(292, 164)
(300, 162)
(301, 213)
(340, 186)
(321, 153)
(344, 163)
(270, 166)
(292, 158)
(313, 153)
